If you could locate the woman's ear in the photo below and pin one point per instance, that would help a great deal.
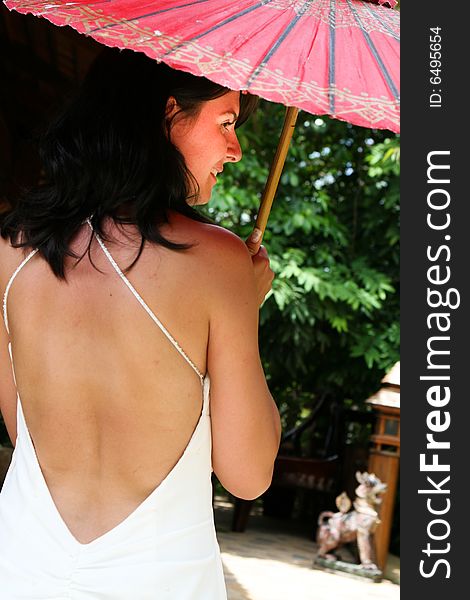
(171, 111)
(171, 108)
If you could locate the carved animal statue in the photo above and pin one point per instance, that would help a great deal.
(336, 529)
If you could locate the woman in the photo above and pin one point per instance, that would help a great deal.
(123, 307)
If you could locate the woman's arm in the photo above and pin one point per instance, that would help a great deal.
(245, 420)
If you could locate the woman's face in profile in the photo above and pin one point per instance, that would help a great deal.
(208, 140)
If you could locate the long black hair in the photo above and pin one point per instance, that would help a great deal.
(109, 154)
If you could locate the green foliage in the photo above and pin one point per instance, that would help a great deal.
(330, 323)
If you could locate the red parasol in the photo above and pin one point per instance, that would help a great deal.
(334, 57)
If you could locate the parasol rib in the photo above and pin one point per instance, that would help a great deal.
(385, 22)
(279, 41)
(234, 17)
(375, 54)
(151, 14)
(331, 65)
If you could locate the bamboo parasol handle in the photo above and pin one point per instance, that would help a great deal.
(276, 168)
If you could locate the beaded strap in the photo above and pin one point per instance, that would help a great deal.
(144, 304)
(7, 290)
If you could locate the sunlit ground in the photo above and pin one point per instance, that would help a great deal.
(272, 560)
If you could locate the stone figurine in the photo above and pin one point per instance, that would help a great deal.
(336, 529)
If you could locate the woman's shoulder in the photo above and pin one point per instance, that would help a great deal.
(220, 259)
(210, 240)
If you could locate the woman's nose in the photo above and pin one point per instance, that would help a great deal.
(234, 151)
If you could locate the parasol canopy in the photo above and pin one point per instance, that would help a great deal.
(333, 57)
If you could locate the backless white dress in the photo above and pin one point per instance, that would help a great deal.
(166, 549)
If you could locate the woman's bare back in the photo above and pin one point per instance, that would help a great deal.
(109, 402)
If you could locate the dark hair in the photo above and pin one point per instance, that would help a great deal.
(109, 155)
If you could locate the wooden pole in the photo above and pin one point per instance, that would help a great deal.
(276, 168)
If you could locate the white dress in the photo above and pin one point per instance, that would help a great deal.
(166, 549)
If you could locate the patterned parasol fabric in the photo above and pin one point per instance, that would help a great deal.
(334, 57)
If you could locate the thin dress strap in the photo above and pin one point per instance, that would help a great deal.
(7, 289)
(144, 305)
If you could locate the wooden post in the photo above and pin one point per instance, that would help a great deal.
(384, 458)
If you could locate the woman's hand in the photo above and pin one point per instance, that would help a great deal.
(264, 275)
